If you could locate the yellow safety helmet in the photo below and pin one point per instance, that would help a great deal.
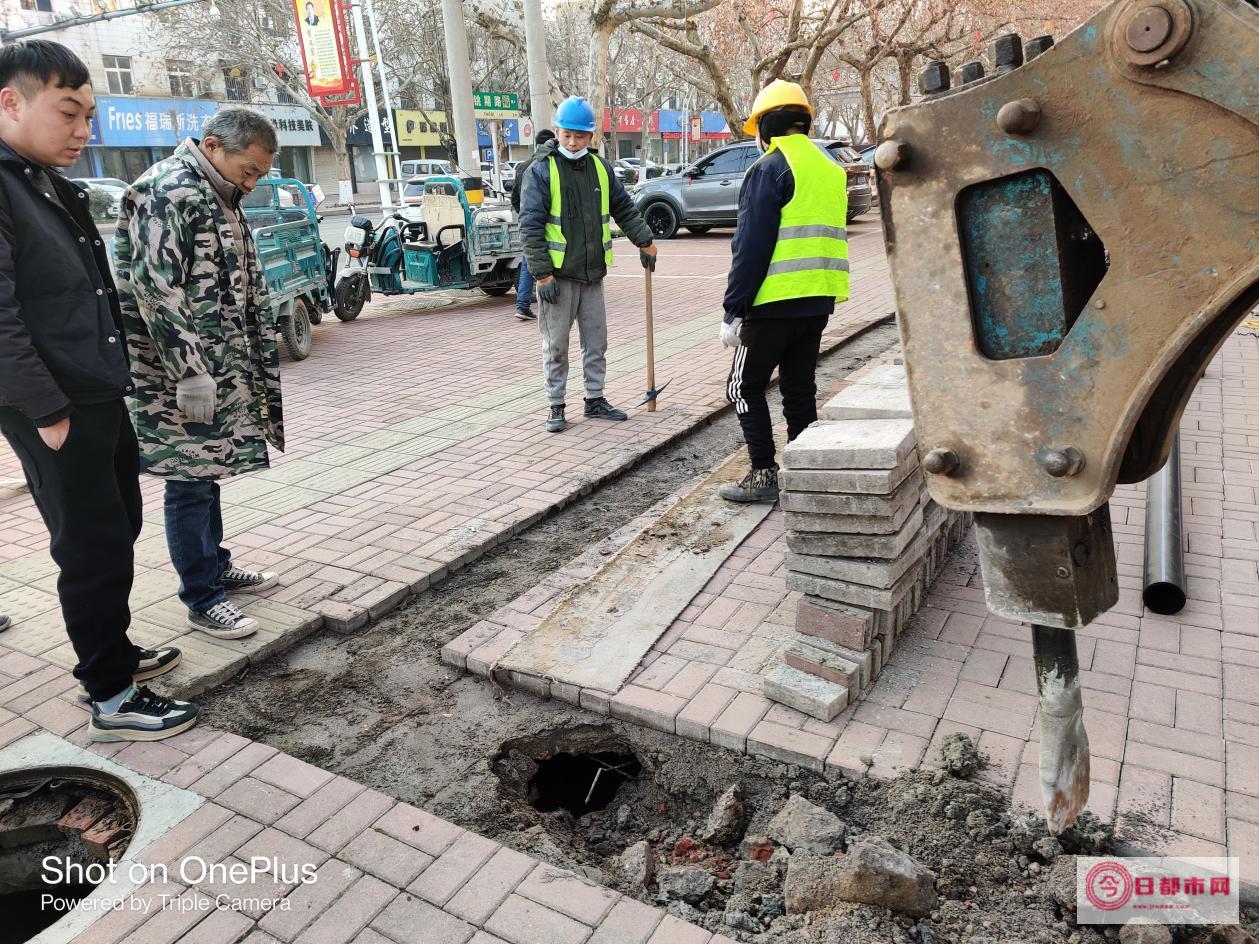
(778, 94)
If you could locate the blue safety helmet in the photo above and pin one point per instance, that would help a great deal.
(575, 114)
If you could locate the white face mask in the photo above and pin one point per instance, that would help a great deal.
(573, 155)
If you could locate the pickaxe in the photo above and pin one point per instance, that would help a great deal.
(653, 391)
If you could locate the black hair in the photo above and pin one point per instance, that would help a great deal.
(780, 121)
(37, 61)
(543, 136)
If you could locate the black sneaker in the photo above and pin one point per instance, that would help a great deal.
(5, 622)
(223, 621)
(526, 314)
(142, 716)
(235, 580)
(153, 662)
(759, 485)
(556, 422)
(600, 409)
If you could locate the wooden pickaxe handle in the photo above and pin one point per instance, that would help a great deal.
(651, 347)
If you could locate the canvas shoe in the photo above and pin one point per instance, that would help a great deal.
(153, 662)
(223, 621)
(236, 580)
(142, 716)
(759, 485)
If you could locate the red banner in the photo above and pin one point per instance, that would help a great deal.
(628, 120)
(321, 34)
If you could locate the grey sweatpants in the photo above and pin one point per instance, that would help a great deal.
(584, 304)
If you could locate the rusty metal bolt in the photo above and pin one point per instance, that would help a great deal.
(891, 155)
(971, 72)
(1020, 117)
(1063, 462)
(1149, 29)
(934, 79)
(1007, 52)
(941, 462)
(1034, 47)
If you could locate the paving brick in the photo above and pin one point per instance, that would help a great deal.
(896, 754)
(1175, 763)
(676, 931)
(350, 913)
(857, 744)
(349, 821)
(851, 444)
(172, 844)
(417, 828)
(1243, 769)
(219, 927)
(310, 900)
(817, 697)
(489, 887)
(292, 775)
(649, 708)
(257, 800)
(242, 757)
(409, 920)
(700, 712)
(522, 921)
(566, 893)
(444, 877)
(789, 745)
(167, 925)
(630, 922)
(318, 807)
(385, 857)
(1198, 809)
(731, 728)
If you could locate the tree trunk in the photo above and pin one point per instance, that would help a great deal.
(905, 73)
(344, 173)
(867, 104)
(598, 68)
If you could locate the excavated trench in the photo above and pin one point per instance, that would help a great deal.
(613, 801)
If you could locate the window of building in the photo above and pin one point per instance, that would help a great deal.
(236, 82)
(181, 82)
(118, 74)
(43, 6)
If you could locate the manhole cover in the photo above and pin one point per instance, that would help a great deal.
(60, 828)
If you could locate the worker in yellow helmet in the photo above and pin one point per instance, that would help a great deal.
(789, 267)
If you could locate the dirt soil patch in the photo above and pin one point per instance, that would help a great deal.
(380, 708)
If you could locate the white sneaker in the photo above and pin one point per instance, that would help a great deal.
(223, 621)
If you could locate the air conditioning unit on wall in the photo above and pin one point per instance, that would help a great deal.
(260, 83)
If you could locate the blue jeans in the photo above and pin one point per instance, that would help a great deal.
(524, 287)
(194, 534)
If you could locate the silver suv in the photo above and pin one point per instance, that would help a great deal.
(706, 194)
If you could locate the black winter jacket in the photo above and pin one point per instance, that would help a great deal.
(581, 213)
(61, 338)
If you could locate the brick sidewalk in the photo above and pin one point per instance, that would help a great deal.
(417, 445)
(387, 872)
(1172, 704)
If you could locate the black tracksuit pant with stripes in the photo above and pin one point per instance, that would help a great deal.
(791, 345)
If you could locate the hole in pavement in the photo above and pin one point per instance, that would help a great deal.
(81, 819)
(581, 783)
(579, 769)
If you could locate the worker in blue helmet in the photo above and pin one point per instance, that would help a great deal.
(570, 197)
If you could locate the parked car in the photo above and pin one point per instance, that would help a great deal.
(423, 168)
(706, 194)
(111, 187)
(627, 169)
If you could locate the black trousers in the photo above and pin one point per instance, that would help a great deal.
(88, 493)
(791, 345)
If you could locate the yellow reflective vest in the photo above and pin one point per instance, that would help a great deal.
(556, 242)
(811, 255)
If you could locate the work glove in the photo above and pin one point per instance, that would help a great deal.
(195, 397)
(648, 259)
(730, 333)
(549, 291)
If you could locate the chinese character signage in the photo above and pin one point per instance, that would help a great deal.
(495, 104)
(293, 124)
(1168, 890)
(321, 32)
(420, 128)
(149, 122)
(628, 120)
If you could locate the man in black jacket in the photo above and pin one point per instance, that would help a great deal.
(63, 376)
(570, 198)
(524, 284)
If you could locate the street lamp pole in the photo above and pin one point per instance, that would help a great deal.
(373, 115)
(460, 88)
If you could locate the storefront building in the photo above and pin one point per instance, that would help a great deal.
(129, 135)
(298, 134)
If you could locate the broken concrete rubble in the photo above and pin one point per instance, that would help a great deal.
(873, 873)
(638, 864)
(802, 826)
(728, 819)
(688, 884)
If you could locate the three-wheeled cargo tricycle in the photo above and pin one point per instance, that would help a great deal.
(297, 264)
(448, 244)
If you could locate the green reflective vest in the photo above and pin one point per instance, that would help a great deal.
(811, 255)
(556, 242)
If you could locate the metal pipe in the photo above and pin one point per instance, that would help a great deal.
(1164, 591)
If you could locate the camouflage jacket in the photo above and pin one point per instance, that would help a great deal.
(179, 268)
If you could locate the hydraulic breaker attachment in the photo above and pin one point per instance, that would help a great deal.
(1073, 234)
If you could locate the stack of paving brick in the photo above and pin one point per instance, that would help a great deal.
(865, 541)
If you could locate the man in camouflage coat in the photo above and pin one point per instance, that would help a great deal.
(204, 358)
